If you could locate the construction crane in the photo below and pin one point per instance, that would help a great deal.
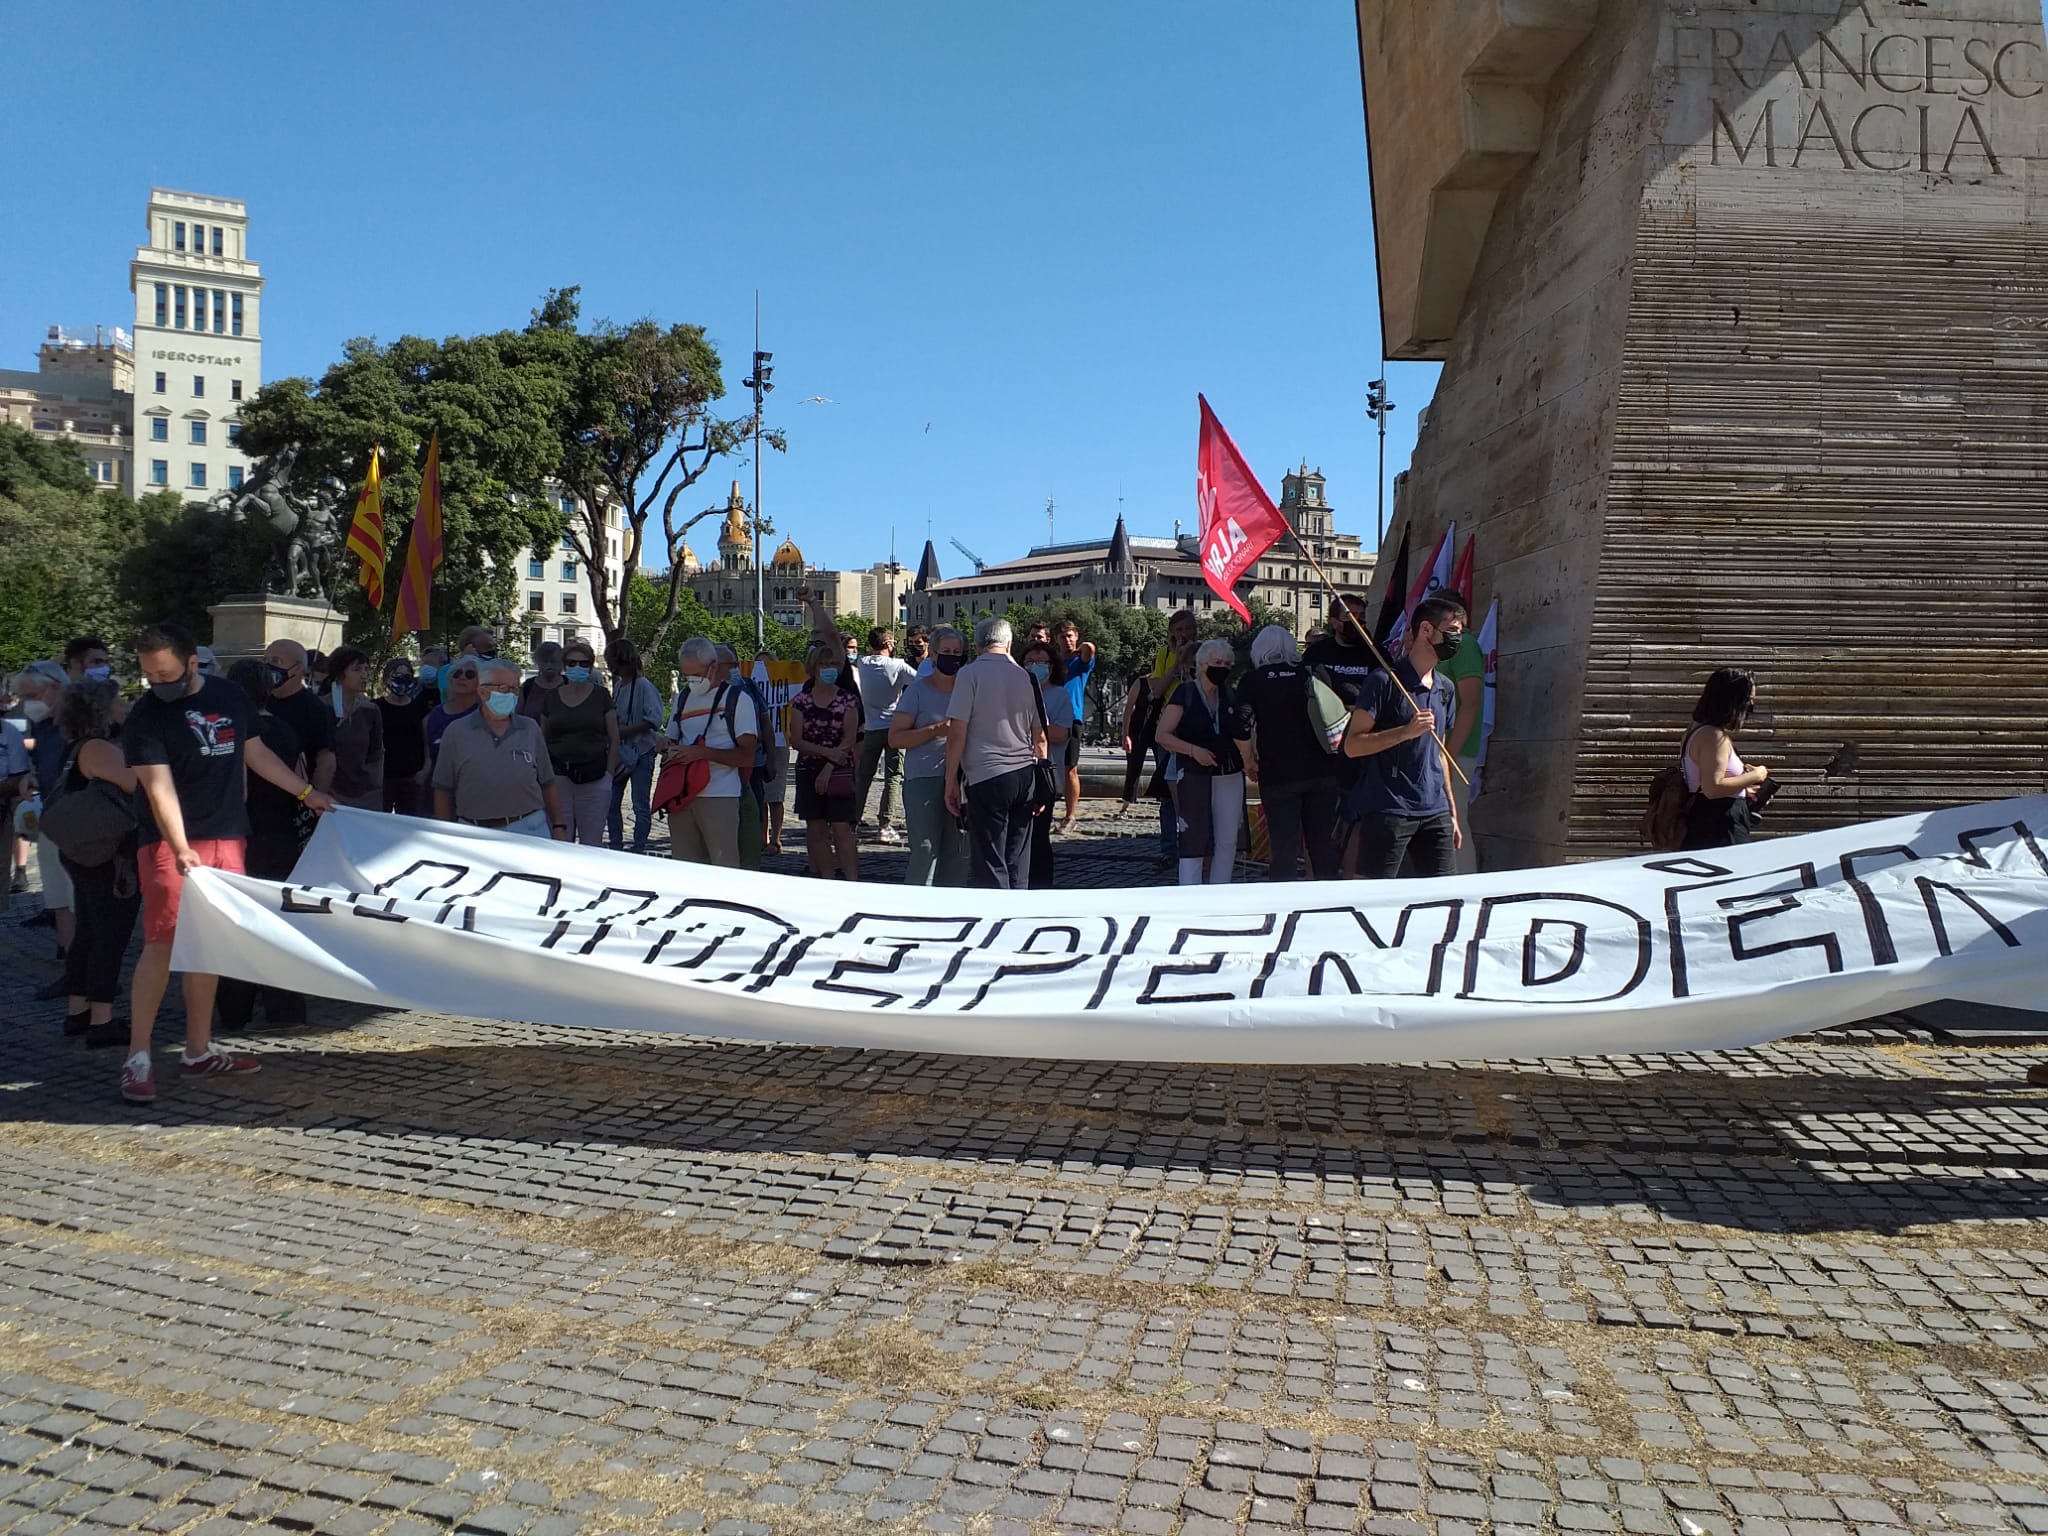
(980, 564)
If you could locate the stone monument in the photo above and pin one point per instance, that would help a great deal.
(300, 521)
(1744, 317)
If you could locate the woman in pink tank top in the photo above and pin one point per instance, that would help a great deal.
(1718, 815)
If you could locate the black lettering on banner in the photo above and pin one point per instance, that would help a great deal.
(1691, 869)
(1927, 887)
(709, 928)
(447, 887)
(1130, 948)
(1739, 923)
(1971, 842)
(611, 905)
(1591, 918)
(1260, 926)
(1023, 947)
(1682, 958)
(292, 905)
(1532, 951)
(1319, 941)
(899, 939)
(512, 877)
(1884, 950)
(388, 913)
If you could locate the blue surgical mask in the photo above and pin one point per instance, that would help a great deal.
(501, 704)
(1039, 670)
(100, 673)
(829, 676)
(575, 674)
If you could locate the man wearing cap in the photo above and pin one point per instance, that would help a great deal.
(493, 770)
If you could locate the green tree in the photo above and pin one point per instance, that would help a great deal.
(64, 544)
(186, 558)
(497, 402)
(638, 429)
(658, 643)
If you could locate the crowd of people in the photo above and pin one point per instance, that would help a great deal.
(1359, 768)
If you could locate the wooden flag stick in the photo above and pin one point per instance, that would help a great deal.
(1338, 602)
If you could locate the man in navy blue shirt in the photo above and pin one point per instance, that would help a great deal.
(1402, 799)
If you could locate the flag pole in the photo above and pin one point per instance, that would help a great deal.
(1337, 602)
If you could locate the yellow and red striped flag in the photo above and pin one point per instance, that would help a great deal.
(366, 533)
(423, 550)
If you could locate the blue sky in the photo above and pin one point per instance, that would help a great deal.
(1038, 230)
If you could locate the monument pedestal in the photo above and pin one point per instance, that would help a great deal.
(1743, 323)
(244, 626)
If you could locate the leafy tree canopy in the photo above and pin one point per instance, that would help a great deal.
(64, 543)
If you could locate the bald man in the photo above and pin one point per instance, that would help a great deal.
(304, 711)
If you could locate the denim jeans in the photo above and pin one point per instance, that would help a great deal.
(641, 777)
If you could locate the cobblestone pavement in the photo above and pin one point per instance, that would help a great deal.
(432, 1274)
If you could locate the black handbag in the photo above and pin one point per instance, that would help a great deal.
(1045, 784)
(588, 771)
(89, 825)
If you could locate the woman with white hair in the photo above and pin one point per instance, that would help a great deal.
(1201, 728)
(1296, 773)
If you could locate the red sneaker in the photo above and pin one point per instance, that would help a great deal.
(138, 1085)
(217, 1061)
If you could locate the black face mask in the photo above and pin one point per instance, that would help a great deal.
(1448, 646)
(170, 693)
(1216, 675)
(948, 665)
(275, 675)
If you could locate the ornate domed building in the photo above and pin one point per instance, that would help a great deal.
(728, 586)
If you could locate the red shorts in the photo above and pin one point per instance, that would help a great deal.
(162, 885)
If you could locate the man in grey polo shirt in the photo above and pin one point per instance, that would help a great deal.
(493, 770)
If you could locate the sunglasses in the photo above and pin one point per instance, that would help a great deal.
(471, 675)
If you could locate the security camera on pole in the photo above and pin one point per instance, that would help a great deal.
(759, 383)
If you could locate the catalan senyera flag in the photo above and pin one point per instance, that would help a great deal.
(422, 550)
(366, 533)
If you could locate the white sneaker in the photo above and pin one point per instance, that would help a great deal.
(891, 835)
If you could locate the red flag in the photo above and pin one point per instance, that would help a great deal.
(1434, 578)
(423, 551)
(1239, 521)
(1461, 577)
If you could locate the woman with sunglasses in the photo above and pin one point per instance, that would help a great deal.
(582, 729)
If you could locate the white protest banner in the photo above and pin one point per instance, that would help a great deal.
(1678, 952)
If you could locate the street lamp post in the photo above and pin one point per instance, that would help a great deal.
(1376, 406)
(759, 383)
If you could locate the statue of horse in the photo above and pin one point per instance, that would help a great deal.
(303, 526)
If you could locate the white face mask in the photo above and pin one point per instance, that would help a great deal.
(35, 711)
(696, 685)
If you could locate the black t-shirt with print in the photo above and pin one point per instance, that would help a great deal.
(200, 738)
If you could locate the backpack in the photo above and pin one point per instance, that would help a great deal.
(1328, 715)
(764, 729)
(89, 825)
(1663, 823)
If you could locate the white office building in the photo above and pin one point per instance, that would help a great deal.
(554, 590)
(198, 343)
